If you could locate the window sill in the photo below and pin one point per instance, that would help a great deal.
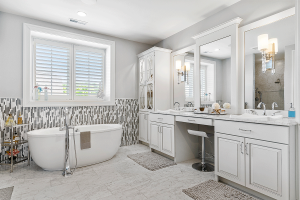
(68, 103)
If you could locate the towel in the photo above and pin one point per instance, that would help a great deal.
(85, 140)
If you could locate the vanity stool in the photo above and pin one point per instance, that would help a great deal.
(202, 166)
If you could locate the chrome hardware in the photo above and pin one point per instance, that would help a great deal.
(244, 130)
(275, 113)
(274, 105)
(242, 147)
(264, 106)
(190, 104)
(253, 112)
(160, 118)
(191, 120)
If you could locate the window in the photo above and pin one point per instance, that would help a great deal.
(73, 69)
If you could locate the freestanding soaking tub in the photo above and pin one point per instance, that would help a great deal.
(47, 146)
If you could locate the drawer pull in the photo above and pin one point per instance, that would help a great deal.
(160, 118)
(243, 130)
(191, 120)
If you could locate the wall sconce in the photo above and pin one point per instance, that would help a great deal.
(268, 48)
(183, 71)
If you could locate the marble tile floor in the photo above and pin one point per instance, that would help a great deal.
(118, 178)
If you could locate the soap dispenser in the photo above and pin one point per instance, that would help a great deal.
(292, 112)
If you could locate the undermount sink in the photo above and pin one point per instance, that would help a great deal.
(256, 117)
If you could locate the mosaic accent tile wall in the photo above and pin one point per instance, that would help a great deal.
(124, 112)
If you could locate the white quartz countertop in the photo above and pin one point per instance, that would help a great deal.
(278, 122)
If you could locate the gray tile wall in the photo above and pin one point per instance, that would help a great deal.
(124, 112)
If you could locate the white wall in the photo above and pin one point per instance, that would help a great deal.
(11, 46)
(226, 81)
(250, 81)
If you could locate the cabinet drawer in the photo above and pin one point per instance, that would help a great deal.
(279, 134)
(165, 119)
(194, 120)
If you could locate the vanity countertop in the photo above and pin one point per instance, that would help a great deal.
(280, 122)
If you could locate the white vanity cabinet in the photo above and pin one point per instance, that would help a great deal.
(161, 133)
(154, 85)
(257, 156)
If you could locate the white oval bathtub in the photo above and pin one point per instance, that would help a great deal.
(47, 146)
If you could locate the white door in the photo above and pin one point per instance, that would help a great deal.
(230, 158)
(154, 136)
(143, 127)
(267, 168)
(167, 143)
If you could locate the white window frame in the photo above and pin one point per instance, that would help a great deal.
(30, 31)
(210, 63)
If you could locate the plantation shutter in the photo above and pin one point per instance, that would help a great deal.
(89, 72)
(52, 68)
(189, 93)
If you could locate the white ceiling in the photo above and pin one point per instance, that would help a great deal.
(283, 30)
(138, 20)
(224, 46)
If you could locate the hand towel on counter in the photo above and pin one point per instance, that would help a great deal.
(85, 140)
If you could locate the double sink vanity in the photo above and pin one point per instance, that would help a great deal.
(253, 152)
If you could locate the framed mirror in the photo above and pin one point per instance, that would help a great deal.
(183, 62)
(215, 72)
(268, 60)
(217, 66)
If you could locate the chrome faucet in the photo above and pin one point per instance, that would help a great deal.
(253, 112)
(264, 105)
(274, 105)
(190, 104)
(178, 105)
(275, 113)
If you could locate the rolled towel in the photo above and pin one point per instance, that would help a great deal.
(85, 140)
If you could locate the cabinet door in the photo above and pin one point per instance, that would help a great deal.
(150, 67)
(143, 127)
(154, 136)
(167, 143)
(230, 158)
(267, 168)
(142, 76)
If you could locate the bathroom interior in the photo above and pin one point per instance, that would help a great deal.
(149, 100)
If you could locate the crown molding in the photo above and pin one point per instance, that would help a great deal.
(154, 49)
(236, 20)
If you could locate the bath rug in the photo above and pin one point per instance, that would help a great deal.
(212, 190)
(5, 193)
(151, 161)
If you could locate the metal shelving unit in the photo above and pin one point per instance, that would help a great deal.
(12, 144)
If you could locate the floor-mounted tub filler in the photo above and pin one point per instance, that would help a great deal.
(47, 146)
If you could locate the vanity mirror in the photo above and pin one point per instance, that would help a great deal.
(268, 61)
(215, 72)
(183, 76)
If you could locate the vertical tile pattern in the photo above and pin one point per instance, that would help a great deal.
(124, 112)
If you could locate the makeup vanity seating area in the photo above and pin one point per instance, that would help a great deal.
(254, 145)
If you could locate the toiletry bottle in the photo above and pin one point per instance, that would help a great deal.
(292, 112)
(20, 121)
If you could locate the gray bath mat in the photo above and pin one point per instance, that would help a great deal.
(216, 191)
(5, 193)
(151, 161)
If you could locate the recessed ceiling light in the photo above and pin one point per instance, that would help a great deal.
(217, 49)
(82, 14)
